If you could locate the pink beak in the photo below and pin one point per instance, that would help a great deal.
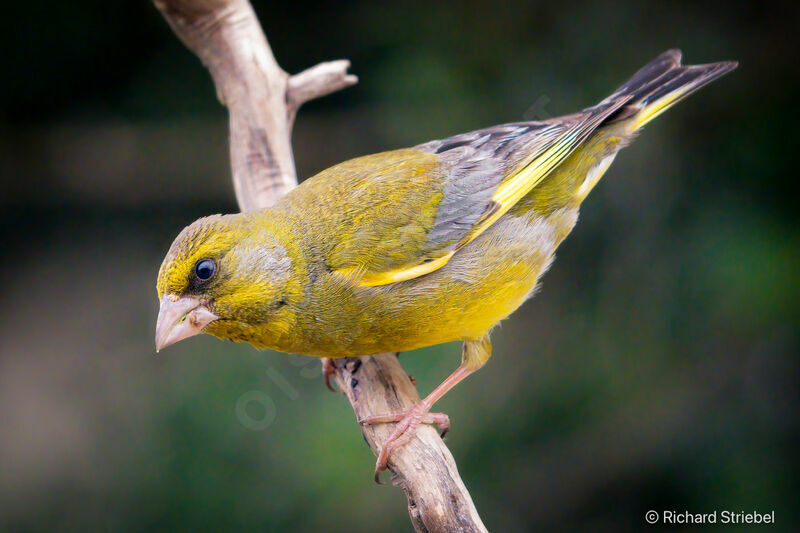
(180, 318)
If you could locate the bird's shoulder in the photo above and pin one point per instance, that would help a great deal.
(371, 213)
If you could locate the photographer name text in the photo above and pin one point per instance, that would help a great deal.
(715, 517)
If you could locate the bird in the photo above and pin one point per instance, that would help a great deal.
(409, 248)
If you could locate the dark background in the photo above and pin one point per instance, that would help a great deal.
(657, 368)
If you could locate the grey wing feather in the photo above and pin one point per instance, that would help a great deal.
(475, 164)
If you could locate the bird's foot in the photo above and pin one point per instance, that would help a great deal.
(328, 369)
(407, 423)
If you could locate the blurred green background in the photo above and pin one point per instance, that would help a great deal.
(657, 368)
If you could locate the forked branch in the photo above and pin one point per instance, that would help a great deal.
(261, 98)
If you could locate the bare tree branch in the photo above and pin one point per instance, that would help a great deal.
(261, 98)
(262, 101)
(438, 501)
(317, 81)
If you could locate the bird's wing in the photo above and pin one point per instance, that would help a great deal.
(409, 211)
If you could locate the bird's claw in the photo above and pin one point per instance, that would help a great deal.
(328, 369)
(407, 423)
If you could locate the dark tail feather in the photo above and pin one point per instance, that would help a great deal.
(643, 79)
(662, 83)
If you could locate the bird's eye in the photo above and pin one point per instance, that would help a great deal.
(205, 269)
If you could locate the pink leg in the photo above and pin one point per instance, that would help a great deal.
(408, 421)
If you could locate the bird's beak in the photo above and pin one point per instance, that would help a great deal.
(180, 318)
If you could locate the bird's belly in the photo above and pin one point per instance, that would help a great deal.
(482, 284)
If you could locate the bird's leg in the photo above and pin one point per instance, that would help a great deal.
(328, 369)
(408, 421)
(474, 355)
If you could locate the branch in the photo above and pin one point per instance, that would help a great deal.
(424, 468)
(262, 101)
(317, 81)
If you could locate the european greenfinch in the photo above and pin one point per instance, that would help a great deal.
(409, 248)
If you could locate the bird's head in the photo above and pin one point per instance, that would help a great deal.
(226, 276)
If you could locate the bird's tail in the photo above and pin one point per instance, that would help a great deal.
(662, 83)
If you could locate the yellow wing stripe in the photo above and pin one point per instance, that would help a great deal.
(513, 189)
(370, 279)
(520, 183)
